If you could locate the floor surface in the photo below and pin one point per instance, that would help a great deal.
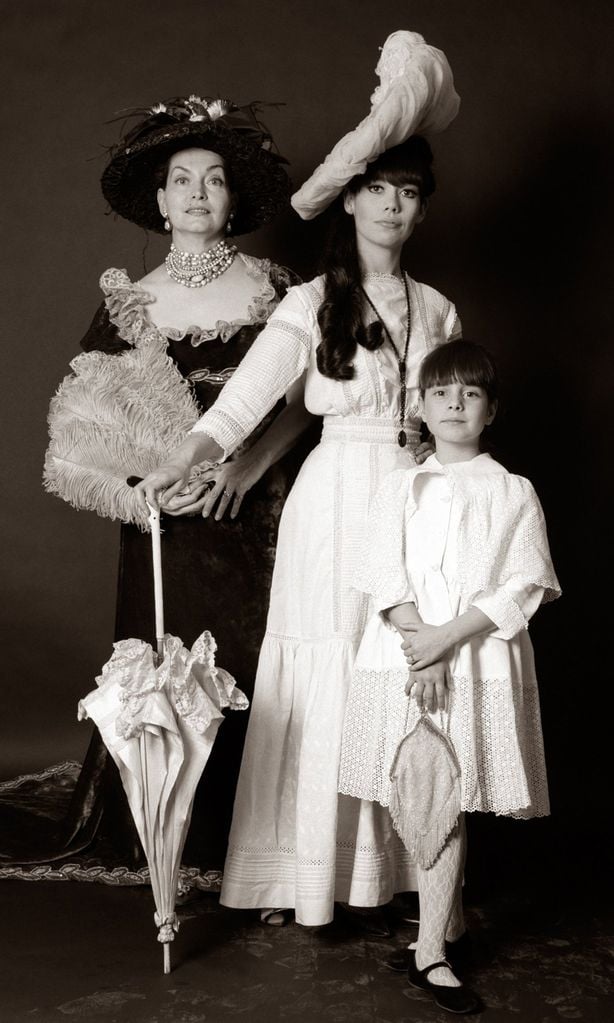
(88, 952)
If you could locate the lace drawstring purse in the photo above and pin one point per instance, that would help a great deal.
(425, 793)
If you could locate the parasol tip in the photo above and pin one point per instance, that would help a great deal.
(167, 958)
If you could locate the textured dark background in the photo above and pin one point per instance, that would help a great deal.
(517, 235)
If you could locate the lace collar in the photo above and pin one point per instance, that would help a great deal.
(127, 300)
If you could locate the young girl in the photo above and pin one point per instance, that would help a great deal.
(456, 560)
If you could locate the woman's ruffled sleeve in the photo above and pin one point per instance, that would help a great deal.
(278, 357)
(382, 570)
(523, 575)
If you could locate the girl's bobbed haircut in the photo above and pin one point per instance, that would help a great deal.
(462, 362)
(340, 315)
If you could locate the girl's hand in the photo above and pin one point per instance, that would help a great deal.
(429, 686)
(424, 644)
(423, 450)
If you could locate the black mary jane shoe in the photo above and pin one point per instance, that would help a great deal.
(458, 953)
(460, 1000)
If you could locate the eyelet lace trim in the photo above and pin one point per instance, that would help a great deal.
(494, 725)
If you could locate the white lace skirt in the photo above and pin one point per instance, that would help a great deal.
(294, 842)
(493, 721)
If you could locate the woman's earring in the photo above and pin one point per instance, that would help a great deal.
(229, 223)
(167, 223)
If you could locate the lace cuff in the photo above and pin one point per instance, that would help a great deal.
(503, 610)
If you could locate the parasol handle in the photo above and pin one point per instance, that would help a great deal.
(156, 550)
(167, 958)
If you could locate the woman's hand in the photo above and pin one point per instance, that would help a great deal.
(225, 487)
(172, 476)
(423, 450)
(424, 644)
(231, 483)
(429, 686)
(168, 479)
(187, 501)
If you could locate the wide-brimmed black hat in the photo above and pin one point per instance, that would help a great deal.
(131, 179)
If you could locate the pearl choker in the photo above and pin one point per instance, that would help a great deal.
(195, 269)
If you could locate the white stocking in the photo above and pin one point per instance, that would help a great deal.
(439, 889)
(456, 923)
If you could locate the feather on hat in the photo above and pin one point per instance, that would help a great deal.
(416, 95)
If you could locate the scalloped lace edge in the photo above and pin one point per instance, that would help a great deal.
(122, 315)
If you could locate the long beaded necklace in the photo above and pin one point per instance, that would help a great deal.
(195, 269)
(401, 359)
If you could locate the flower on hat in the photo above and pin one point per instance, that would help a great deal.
(197, 108)
(219, 108)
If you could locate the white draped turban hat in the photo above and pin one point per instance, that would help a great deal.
(416, 95)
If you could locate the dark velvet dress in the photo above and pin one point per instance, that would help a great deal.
(216, 576)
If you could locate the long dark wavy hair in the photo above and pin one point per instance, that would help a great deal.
(340, 315)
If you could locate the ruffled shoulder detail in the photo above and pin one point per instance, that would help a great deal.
(273, 282)
(125, 302)
(283, 278)
(258, 311)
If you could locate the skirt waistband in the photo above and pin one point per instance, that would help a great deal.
(363, 430)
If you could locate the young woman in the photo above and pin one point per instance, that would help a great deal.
(356, 336)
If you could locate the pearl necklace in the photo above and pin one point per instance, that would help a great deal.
(195, 269)
(401, 358)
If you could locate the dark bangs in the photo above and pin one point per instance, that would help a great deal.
(461, 362)
(410, 163)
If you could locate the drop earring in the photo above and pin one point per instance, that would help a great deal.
(229, 223)
(167, 223)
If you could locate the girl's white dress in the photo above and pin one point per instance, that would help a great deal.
(446, 537)
(294, 842)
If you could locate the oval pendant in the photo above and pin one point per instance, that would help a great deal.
(402, 438)
(198, 278)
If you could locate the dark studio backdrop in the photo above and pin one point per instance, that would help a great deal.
(517, 236)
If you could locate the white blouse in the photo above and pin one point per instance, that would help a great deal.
(285, 352)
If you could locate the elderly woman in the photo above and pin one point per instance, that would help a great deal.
(158, 353)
